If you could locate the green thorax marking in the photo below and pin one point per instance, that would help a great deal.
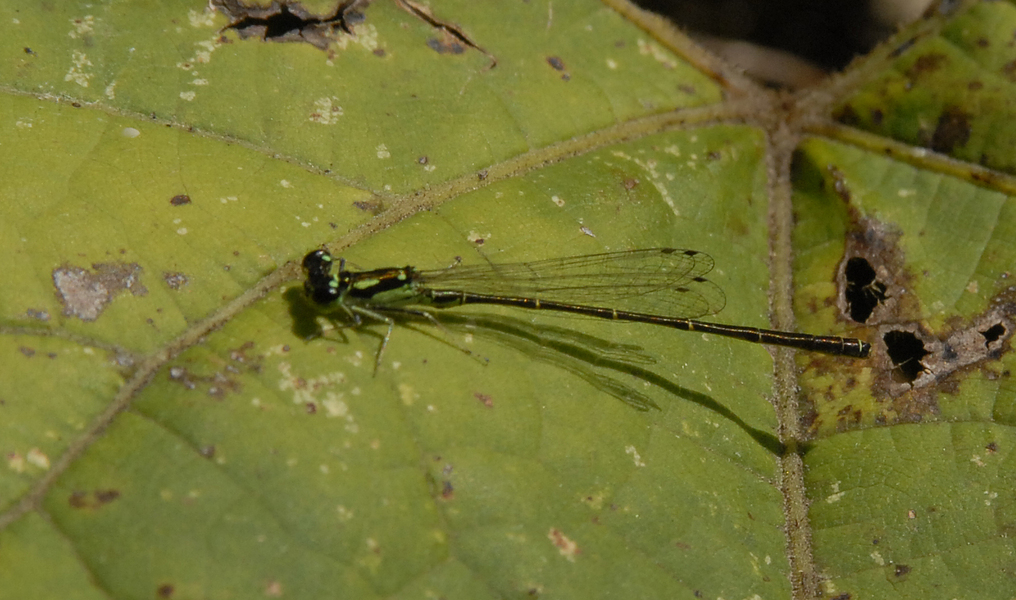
(381, 287)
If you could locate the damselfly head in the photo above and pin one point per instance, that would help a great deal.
(318, 264)
(320, 285)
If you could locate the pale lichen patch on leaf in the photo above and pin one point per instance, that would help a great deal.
(475, 237)
(594, 500)
(16, 462)
(174, 279)
(836, 494)
(373, 557)
(658, 53)
(566, 546)
(202, 55)
(81, 27)
(635, 455)
(201, 18)
(305, 390)
(38, 458)
(326, 111)
(407, 394)
(78, 72)
(649, 166)
(86, 294)
(364, 35)
(273, 589)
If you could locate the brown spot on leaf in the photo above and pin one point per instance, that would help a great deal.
(38, 314)
(452, 38)
(847, 115)
(77, 499)
(106, 496)
(925, 64)
(373, 206)
(1009, 70)
(84, 500)
(953, 130)
(222, 382)
(447, 44)
(240, 354)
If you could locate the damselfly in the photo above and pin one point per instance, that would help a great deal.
(660, 286)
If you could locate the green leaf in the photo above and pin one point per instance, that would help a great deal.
(178, 422)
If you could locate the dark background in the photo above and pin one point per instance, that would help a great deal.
(826, 33)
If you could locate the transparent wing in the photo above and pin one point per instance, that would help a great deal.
(663, 281)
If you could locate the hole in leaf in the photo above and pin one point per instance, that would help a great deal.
(905, 350)
(993, 333)
(287, 21)
(864, 292)
(277, 25)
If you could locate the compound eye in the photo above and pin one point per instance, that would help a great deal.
(318, 263)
